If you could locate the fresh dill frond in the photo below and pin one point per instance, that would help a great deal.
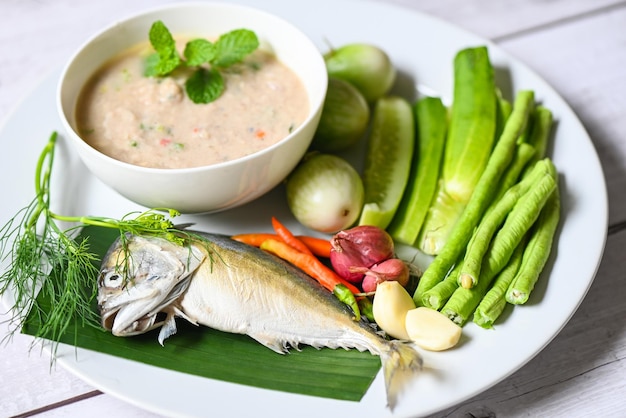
(51, 273)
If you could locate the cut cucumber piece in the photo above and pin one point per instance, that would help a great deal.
(388, 160)
(432, 123)
(469, 143)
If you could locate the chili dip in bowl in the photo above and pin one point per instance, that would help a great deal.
(165, 144)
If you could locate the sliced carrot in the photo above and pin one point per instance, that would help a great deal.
(255, 238)
(318, 246)
(287, 237)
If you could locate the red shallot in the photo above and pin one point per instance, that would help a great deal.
(359, 247)
(390, 269)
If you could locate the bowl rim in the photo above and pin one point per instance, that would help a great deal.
(102, 31)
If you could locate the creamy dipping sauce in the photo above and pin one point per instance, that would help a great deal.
(151, 122)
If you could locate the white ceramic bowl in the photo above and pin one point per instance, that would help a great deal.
(214, 187)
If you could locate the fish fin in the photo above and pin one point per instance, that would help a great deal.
(169, 325)
(168, 328)
(400, 361)
(183, 315)
(281, 347)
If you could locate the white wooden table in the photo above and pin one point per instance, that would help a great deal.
(578, 46)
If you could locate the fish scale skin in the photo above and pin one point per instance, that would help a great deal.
(241, 289)
(249, 291)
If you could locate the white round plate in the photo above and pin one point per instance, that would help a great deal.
(423, 49)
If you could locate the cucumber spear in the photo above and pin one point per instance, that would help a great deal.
(469, 144)
(432, 122)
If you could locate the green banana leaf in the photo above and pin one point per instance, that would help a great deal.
(338, 374)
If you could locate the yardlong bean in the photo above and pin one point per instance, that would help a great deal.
(482, 196)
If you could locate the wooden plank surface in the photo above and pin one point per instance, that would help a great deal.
(501, 19)
(578, 46)
(586, 66)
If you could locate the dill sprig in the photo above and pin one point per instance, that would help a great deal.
(43, 258)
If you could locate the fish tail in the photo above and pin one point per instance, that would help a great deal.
(400, 361)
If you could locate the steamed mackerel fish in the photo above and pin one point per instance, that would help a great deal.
(237, 288)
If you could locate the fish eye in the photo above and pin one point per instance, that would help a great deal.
(111, 279)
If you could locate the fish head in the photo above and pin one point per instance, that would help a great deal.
(141, 277)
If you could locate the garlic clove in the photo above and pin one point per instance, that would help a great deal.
(390, 306)
(431, 330)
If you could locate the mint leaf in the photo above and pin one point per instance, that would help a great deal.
(161, 39)
(167, 58)
(233, 46)
(150, 65)
(160, 66)
(198, 52)
(204, 85)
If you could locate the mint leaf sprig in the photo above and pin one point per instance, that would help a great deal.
(206, 83)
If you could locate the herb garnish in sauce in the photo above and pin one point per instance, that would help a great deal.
(206, 83)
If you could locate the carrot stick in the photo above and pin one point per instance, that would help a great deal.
(285, 234)
(316, 269)
(255, 239)
(318, 246)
